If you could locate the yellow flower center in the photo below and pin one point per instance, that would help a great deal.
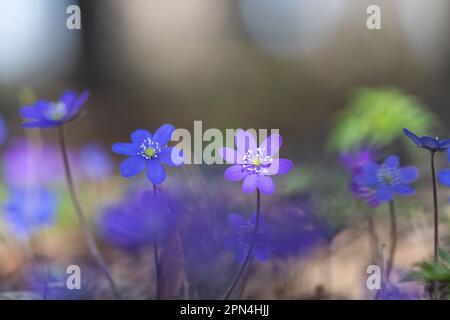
(256, 162)
(150, 152)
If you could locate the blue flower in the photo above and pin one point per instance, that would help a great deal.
(95, 162)
(3, 130)
(386, 179)
(48, 114)
(243, 235)
(136, 221)
(28, 210)
(147, 150)
(427, 142)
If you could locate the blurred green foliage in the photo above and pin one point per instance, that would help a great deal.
(376, 117)
(430, 271)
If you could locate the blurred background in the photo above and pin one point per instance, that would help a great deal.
(309, 68)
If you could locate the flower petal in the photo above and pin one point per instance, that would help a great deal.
(155, 172)
(250, 183)
(40, 124)
(265, 185)
(172, 156)
(132, 166)
(235, 173)
(444, 177)
(429, 142)
(404, 189)
(126, 149)
(235, 221)
(384, 194)
(413, 137)
(260, 252)
(75, 107)
(409, 174)
(271, 145)
(35, 111)
(367, 179)
(231, 155)
(244, 141)
(391, 162)
(444, 144)
(280, 166)
(164, 134)
(139, 135)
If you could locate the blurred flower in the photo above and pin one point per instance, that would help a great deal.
(28, 164)
(136, 222)
(3, 130)
(244, 235)
(27, 210)
(390, 291)
(47, 114)
(354, 162)
(148, 151)
(95, 162)
(427, 142)
(255, 165)
(386, 179)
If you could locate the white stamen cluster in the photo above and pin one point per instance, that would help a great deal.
(256, 163)
(56, 112)
(149, 149)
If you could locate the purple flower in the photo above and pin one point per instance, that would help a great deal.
(3, 130)
(380, 182)
(427, 142)
(47, 114)
(28, 210)
(136, 222)
(243, 236)
(29, 164)
(147, 150)
(354, 163)
(255, 165)
(95, 162)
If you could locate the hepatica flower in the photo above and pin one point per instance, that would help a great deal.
(28, 210)
(427, 142)
(151, 151)
(136, 221)
(243, 234)
(48, 114)
(354, 163)
(386, 179)
(255, 165)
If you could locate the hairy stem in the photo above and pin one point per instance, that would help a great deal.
(393, 219)
(92, 246)
(250, 250)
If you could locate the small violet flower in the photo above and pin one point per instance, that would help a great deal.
(47, 114)
(243, 235)
(147, 150)
(136, 221)
(255, 165)
(427, 142)
(382, 181)
(28, 210)
(354, 163)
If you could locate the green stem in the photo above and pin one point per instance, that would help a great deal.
(250, 250)
(92, 246)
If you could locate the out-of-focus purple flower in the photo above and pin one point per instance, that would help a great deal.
(427, 142)
(392, 292)
(136, 221)
(243, 235)
(47, 114)
(28, 164)
(151, 151)
(28, 210)
(3, 130)
(49, 281)
(354, 163)
(95, 162)
(255, 165)
(382, 181)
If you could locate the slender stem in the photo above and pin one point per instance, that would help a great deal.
(435, 284)
(250, 250)
(390, 262)
(155, 254)
(435, 205)
(81, 218)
